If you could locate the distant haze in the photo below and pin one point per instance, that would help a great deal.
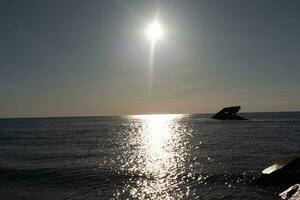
(75, 57)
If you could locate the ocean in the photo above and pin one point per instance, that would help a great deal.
(143, 157)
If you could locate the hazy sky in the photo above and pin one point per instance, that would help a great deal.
(88, 57)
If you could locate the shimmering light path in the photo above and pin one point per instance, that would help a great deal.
(159, 155)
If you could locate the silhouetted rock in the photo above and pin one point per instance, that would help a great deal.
(282, 172)
(292, 193)
(229, 113)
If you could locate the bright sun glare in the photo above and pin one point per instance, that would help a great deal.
(154, 31)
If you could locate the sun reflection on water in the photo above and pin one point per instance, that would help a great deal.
(157, 141)
(157, 157)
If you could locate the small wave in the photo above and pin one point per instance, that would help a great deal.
(70, 176)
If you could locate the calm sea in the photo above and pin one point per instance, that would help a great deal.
(143, 157)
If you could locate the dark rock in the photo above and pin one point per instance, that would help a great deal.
(292, 193)
(229, 113)
(285, 171)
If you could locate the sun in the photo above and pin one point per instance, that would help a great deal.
(154, 31)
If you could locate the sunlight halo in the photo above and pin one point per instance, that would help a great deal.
(154, 31)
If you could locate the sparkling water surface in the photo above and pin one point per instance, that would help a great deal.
(143, 157)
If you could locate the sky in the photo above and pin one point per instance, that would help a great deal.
(86, 58)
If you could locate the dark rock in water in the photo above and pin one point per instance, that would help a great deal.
(292, 193)
(282, 172)
(229, 113)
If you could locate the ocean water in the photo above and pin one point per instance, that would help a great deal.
(143, 157)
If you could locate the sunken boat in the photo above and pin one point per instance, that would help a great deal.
(229, 113)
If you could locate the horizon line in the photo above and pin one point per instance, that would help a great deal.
(120, 115)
